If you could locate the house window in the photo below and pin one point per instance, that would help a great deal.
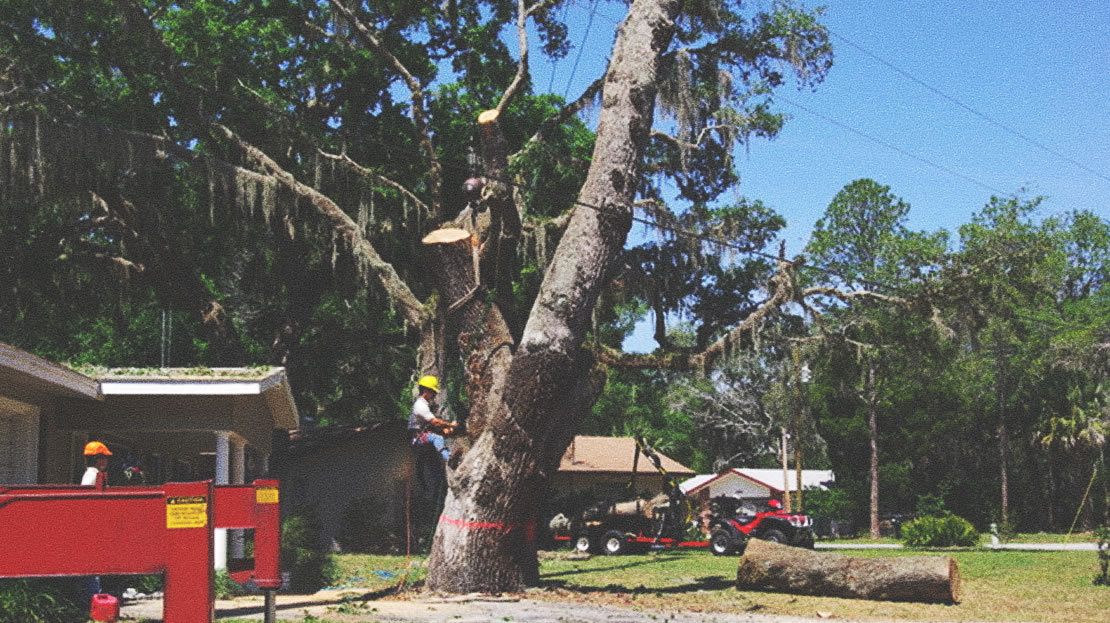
(19, 442)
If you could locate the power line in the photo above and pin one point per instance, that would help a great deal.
(581, 48)
(555, 61)
(895, 148)
(968, 108)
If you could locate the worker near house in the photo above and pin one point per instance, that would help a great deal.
(425, 427)
(96, 461)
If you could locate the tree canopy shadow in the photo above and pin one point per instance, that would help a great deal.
(707, 583)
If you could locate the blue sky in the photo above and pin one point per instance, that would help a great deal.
(947, 102)
(1039, 70)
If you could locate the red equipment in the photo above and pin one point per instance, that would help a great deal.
(60, 530)
(730, 526)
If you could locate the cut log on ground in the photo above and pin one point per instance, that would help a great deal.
(767, 566)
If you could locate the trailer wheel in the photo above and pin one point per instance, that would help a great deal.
(614, 543)
(582, 544)
(721, 542)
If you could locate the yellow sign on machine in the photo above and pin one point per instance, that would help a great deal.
(266, 495)
(187, 512)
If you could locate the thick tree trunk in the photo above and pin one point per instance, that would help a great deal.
(485, 537)
(772, 567)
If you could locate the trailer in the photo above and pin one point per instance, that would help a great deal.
(638, 525)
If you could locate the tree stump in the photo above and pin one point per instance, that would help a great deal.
(769, 566)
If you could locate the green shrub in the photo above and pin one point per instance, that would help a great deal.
(310, 567)
(829, 503)
(226, 588)
(947, 531)
(147, 584)
(42, 601)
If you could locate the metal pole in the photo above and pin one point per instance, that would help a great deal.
(785, 472)
(270, 615)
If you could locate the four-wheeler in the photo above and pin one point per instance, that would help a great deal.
(731, 525)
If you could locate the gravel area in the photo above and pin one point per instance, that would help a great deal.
(337, 605)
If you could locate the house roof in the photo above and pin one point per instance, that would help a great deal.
(769, 478)
(271, 383)
(19, 368)
(613, 455)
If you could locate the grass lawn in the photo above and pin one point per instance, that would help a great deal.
(985, 538)
(995, 585)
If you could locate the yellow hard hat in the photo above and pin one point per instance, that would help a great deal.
(95, 447)
(430, 382)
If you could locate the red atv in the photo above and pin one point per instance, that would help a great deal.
(730, 527)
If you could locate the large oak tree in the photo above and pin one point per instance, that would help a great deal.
(347, 125)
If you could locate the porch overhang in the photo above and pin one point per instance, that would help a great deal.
(188, 405)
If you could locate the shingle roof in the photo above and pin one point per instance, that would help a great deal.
(613, 455)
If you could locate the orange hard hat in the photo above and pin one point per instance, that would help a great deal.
(95, 447)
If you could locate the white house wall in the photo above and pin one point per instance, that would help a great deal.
(19, 442)
(738, 487)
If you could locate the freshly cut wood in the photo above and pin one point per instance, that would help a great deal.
(769, 566)
(447, 235)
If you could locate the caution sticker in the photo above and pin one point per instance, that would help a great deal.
(189, 511)
(266, 495)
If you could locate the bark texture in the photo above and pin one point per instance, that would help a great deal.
(769, 566)
(485, 539)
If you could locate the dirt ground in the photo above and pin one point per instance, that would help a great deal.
(348, 606)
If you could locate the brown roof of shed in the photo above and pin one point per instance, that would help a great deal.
(613, 455)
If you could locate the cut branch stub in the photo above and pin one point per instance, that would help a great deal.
(484, 339)
(499, 264)
(455, 252)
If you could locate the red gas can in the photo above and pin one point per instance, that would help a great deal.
(104, 607)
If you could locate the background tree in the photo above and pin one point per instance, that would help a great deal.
(1005, 270)
(862, 241)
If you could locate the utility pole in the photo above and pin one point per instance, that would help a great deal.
(785, 439)
(801, 376)
(785, 471)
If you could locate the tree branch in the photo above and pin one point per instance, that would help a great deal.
(564, 113)
(342, 224)
(522, 63)
(849, 297)
(782, 286)
(172, 276)
(377, 177)
(418, 97)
